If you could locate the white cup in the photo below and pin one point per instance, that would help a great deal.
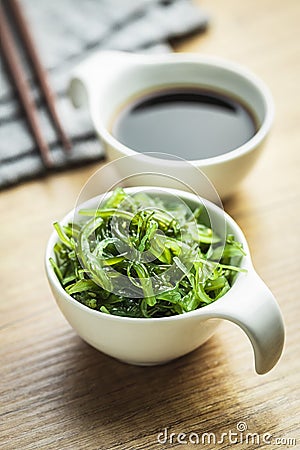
(148, 341)
(106, 80)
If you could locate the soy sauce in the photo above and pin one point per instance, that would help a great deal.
(191, 123)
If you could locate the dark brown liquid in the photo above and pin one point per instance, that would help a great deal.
(187, 122)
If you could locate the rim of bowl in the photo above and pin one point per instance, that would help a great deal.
(54, 282)
(211, 61)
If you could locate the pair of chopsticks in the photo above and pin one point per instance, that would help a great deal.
(14, 66)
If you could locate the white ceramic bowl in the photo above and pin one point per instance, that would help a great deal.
(106, 80)
(249, 304)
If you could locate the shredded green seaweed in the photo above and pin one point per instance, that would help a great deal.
(137, 256)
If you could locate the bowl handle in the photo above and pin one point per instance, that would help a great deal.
(92, 75)
(258, 315)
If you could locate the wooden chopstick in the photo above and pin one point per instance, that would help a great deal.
(14, 65)
(40, 72)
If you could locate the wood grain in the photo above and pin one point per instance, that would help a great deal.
(59, 393)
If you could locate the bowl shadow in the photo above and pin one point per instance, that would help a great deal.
(127, 404)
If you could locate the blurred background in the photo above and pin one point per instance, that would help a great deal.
(64, 33)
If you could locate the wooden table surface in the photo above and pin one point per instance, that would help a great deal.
(59, 393)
